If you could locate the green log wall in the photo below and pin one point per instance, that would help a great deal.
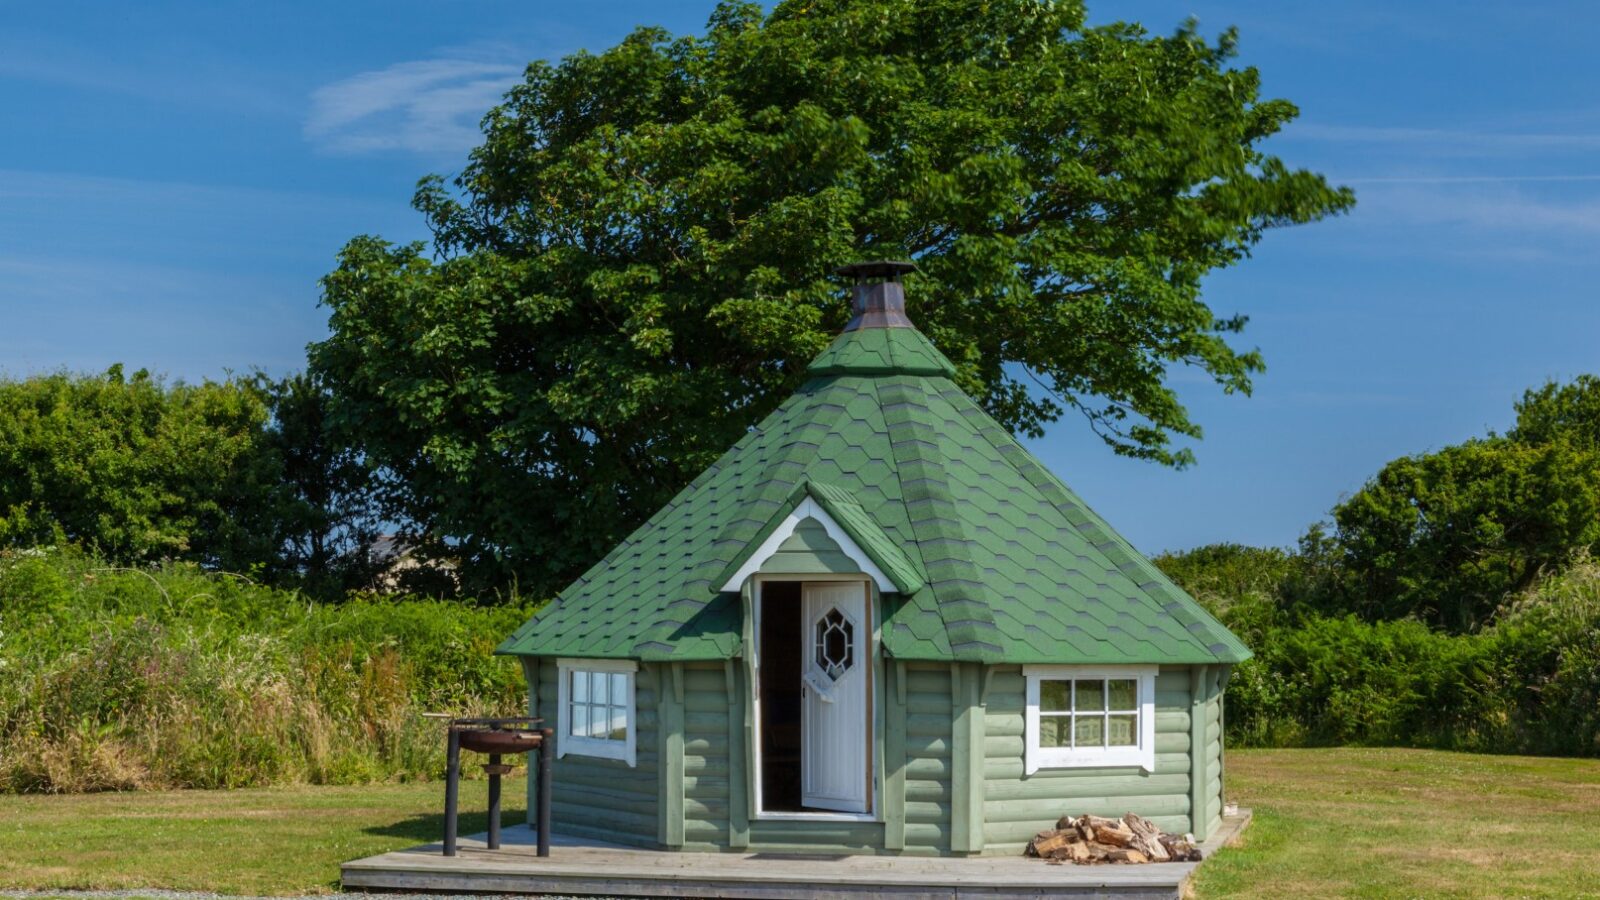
(951, 783)
(1015, 807)
(604, 798)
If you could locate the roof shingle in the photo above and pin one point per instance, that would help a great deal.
(997, 559)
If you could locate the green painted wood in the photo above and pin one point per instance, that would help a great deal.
(837, 836)
(928, 764)
(1198, 776)
(810, 550)
(599, 797)
(894, 759)
(1015, 806)
(966, 758)
(1008, 838)
(1222, 729)
(738, 805)
(670, 712)
(530, 675)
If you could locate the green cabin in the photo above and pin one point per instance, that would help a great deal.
(876, 625)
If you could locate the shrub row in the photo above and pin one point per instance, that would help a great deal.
(1528, 683)
(114, 679)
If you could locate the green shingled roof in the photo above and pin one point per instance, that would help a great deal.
(996, 559)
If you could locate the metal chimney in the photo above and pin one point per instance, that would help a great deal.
(879, 300)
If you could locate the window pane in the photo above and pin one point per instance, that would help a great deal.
(580, 687)
(1091, 695)
(580, 720)
(1124, 694)
(597, 688)
(1122, 731)
(617, 729)
(1055, 731)
(1089, 731)
(1053, 695)
(619, 689)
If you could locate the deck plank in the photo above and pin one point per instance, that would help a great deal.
(579, 866)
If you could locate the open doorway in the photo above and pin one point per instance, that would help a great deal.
(814, 692)
(780, 696)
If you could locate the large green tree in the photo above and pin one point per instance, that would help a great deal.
(328, 516)
(1446, 537)
(636, 263)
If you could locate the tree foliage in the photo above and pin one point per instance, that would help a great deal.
(1447, 536)
(635, 264)
(328, 512)
(241, 475)
(139, 469)
(1560, 412)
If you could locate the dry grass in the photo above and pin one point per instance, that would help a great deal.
(258, 841)
(1410, 823)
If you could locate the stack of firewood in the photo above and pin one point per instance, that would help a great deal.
(1087, 840)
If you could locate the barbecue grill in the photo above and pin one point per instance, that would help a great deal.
(497, 737)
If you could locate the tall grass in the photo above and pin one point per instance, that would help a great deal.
(119, 679)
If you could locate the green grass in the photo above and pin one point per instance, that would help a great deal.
(257, 841)
(1329, 823)
(1409, 823)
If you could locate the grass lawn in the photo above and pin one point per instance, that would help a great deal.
(269, 841)
(1409, 823)
(1347, 822)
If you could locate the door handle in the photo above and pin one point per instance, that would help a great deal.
(812, 681)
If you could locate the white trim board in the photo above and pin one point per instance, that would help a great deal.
(875, 788)
(1143, 755)
(566, 742)
(809, 509)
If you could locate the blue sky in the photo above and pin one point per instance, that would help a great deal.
(174, 177)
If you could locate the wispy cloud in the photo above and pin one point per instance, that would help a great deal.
(1494, 209)
(1477, 222)
(1462, 179)
(1448, 141)
(426, 106)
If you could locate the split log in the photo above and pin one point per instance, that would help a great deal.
(1148, 837)
(1181, 849)
(1046, 844)
(1116, 837)
(1078, 853)
(1127, 856)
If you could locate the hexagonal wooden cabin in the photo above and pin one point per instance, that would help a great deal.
(877, 624)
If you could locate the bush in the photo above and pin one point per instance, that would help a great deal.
(114, 678)
(1528, 684)
(139, 469)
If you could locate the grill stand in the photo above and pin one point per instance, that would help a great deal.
(543, 740)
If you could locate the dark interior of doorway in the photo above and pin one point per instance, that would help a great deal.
(780, 696)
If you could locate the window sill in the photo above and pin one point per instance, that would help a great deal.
(818, 816)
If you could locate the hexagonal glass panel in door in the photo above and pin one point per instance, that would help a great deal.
(835, 643)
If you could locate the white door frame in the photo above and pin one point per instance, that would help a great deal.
(871, 815)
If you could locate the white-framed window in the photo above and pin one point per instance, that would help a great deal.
(595, 716)
(1079, 716)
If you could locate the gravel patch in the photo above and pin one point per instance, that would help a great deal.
(156, 894)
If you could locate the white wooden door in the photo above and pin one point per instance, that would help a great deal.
(834, 769)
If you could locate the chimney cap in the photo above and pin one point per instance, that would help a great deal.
(889, 269)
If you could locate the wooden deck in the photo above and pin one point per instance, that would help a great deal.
(589, 867)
